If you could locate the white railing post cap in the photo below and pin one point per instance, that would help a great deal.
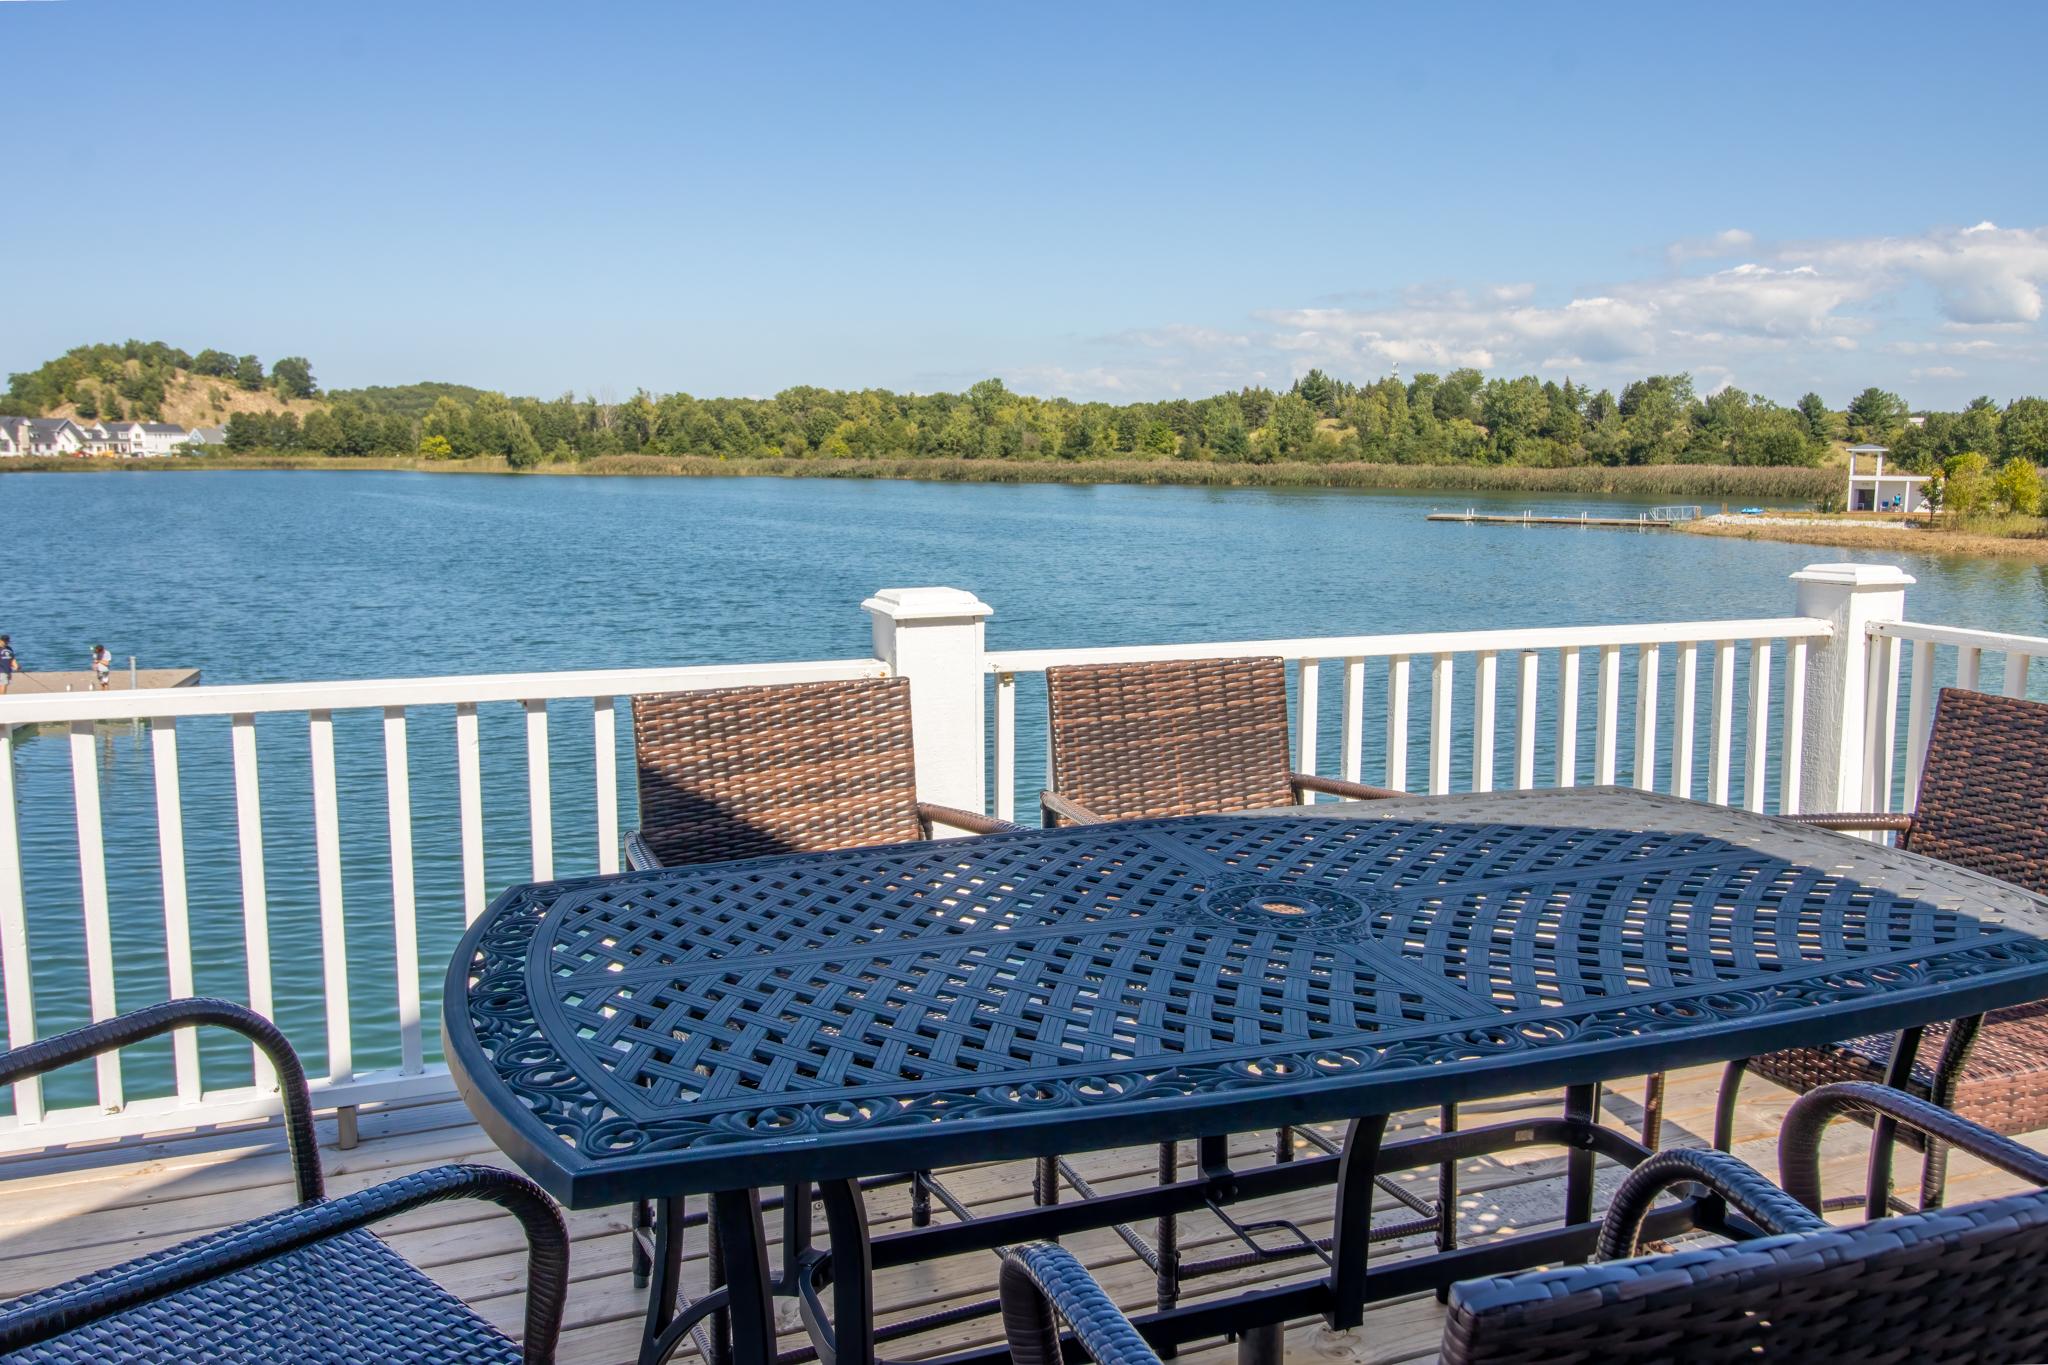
(927, 604)
(1855, 576)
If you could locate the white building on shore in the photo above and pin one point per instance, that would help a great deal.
(1873, 490)
(53, 437)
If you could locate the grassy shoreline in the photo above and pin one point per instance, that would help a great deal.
(1675, 481)
(1965, 539)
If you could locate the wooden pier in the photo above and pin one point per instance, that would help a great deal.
(1641, 523)
(35, 681)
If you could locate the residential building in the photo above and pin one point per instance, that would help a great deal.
(41, 437)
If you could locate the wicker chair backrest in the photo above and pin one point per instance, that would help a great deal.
(743, 772)
(1984, 792)
(1187, 737)
(1959, 1284)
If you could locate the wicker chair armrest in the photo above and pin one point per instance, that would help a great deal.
(1061, 810)
(1039, 1277)
(1854, 820)
(1337, 786)
(1799, 1136)
(47, 1054)
(929, 814)
(639, 855)
(547, 1239)
(1730, 1177)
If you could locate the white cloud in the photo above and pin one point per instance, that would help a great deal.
(1774, 317)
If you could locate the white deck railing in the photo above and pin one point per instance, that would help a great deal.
(1522, 654)
(1941, 656)
(394, 919)
(1791, 712)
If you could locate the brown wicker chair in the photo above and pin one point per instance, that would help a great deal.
(1983, 804)
(1185, 737)
(745, 772)
(749, 772)
(1959, 1285)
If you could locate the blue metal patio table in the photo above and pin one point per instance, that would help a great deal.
(814, 1020)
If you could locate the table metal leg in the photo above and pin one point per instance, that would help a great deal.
(736, 1214)
(1899, 1076)
(1166, 1234)
(1265, 1345)
(1352, 1237)
(1581, 1105)
(665, 1274)
(1724, 1106)
(853, 1274)
(1446, 1196)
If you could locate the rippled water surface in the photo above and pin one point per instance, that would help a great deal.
(257, 577)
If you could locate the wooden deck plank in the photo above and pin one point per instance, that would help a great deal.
(68, 1213)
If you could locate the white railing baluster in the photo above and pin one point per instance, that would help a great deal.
(14, 962)
(1882, 763)
(1684, 718)
(92, 881)
(1353, 757)
(2016, 673)
(333, 928)
(1397, 722)
(1483, 684)
(170, 847)
(1310, 679)
(1646, 718)
(1919, 717)
(1724, 722)
(604, 736)
(540, 802)
(1607, 728)
(1790, 778)
(1006, 746)
(1440, 737)
(1525, 720)
(404, 910)
(469, 781)
(255, 897)
(1568, 716)
(1968, 660)
(1757, 729)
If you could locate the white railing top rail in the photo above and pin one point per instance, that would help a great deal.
(48, 707)
(1427, 642)
(1961, 637)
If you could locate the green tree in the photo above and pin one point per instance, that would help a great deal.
(1315, 389)
(1159, 439)
(1456, 396)
(211, 362)
(1875, 415)
(1820, 423)
(2023, 431)
(436, 448)
(2016, 487)
(249, 373)
(293, 377)
(1966, 487)
(1291, 427)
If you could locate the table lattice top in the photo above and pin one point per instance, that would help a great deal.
(866, 1011)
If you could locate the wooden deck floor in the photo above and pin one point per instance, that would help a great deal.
(66, 1214)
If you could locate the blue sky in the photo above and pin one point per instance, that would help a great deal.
(1124, 200)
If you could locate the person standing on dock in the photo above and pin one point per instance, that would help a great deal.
(9, 665)
(102, 667)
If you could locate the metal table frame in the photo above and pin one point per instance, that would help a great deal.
(1938, 943)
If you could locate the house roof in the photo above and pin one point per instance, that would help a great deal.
(209, 434)
(161, 427)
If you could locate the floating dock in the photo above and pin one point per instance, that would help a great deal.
(35, 681)
(1650, 519)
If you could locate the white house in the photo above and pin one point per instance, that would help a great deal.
(108, 438)
(1881, 492)
(151, 440)
(41, 437)
(206, 438)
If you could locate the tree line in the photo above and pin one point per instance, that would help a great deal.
(1463, 417)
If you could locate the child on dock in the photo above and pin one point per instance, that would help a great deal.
(9, 665)
(102, 667)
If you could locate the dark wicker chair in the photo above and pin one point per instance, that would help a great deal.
(1945, 1285)
(1185, 737)
(745, 772)
(309, 1285)
(1983, 804)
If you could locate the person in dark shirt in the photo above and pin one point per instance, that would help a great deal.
(9, 665)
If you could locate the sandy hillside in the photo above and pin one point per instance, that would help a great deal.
(193, 400)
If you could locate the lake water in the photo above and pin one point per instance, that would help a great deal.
(259, 577)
